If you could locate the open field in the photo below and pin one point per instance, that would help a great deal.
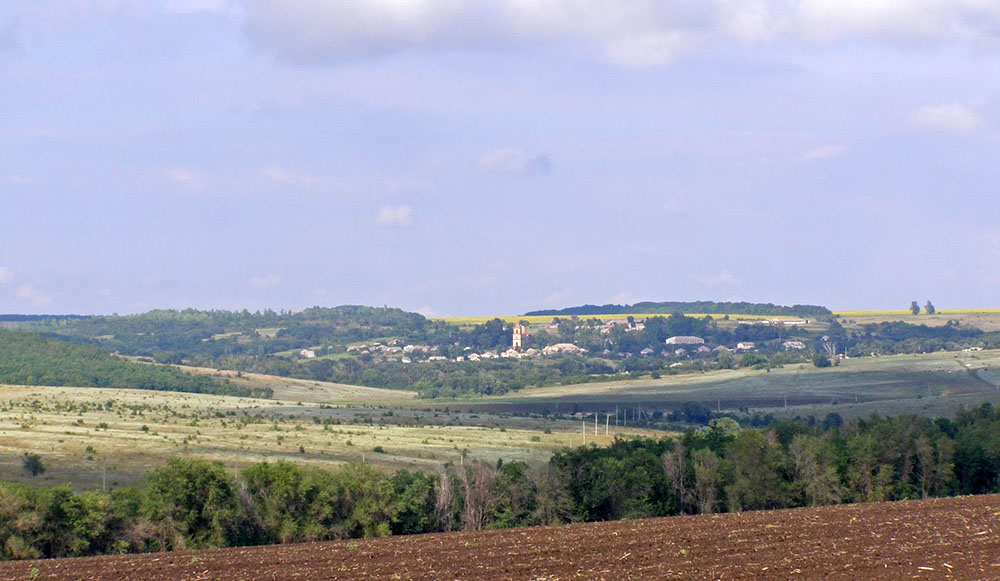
(906, 312)
(985, 319)
(939, 382)
(948, 538)
(81, 431)
(306, 390)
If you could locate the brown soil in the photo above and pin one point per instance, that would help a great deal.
(955, 538)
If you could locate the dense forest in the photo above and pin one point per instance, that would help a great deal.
(28, 358)
(689, 307)
(194, 504)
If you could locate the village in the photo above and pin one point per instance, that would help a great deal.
(678, 347)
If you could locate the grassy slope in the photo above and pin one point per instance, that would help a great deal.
(31, 359)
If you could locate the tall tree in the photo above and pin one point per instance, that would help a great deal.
(707, 478)
(929, 308)
(815, 469)
(914, 308)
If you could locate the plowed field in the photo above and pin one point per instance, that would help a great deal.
(955, 538)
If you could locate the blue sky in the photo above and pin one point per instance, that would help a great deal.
(498, 156)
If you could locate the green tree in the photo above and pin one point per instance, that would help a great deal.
(929, 308)
(707, 477)
(757, 465)
(914, 308)
(821, 360)
(815, 469)
(32, 464)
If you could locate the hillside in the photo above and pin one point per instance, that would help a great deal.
(950, 538)
(32, 359)
(390, 348)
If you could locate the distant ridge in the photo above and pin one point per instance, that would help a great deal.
(10, 318)
(721, 308)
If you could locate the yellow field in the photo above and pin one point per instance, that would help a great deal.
(906, 312)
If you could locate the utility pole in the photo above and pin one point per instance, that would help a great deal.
(607, 423)
(595, 423)
(584, 432)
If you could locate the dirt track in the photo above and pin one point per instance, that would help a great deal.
(937, 539)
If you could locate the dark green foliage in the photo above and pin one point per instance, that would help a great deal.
(28, 358)
(821, 360)
(32, 464)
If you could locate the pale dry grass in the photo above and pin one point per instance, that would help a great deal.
(306, 390)
(135, 431)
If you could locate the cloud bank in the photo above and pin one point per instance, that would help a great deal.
(628, 33)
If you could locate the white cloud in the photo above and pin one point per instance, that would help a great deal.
(631, 33)
(193, 6)
(724, 278)
(33, 296)
(394, 215)
(188, 179)
(17, 180)
(428, 312)
(624, 298)
(515, 161)
(6, 275)
(628, 33)
(278, 174)
(899, 19)
(953, 118)
(264, 281)
(824, 152)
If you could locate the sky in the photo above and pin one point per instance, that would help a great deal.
(498, 156)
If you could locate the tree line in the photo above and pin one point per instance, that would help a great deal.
(688, 307)
(190, 503)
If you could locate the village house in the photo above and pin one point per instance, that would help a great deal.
(307, 353)
(745, 345)
(790, 345)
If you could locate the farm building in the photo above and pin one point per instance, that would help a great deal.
(745, 345)
(307, 353)
(790, 345)
(685, 340)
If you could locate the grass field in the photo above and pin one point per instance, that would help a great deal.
(80, 431)
(306, 390)
(934, 383)
(906, 312)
